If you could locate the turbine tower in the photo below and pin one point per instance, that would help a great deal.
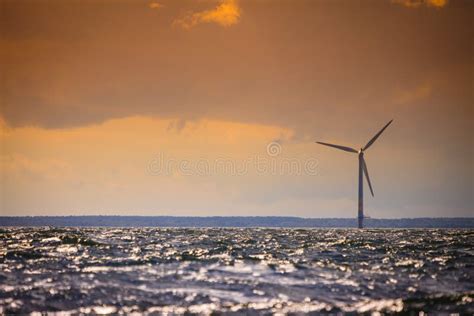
(362, 170)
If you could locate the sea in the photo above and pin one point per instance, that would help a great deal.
(252, 271)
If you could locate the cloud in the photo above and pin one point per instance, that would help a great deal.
(177, 125)
(155, 5)
(419, 3)
(36, 168)
(227, 13)
(123, 164)
(410, 96)
(3, 126)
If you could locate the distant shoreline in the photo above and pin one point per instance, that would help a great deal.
(232, 221)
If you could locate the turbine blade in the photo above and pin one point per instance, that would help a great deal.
(366, 172)
(349, 149)
(376, 136)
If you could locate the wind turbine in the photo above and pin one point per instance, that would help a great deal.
(362, 169)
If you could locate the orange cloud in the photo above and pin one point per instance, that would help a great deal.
(37, 168)
(3, 126)
(227, 13)
(419, 3)
(410, 96)
(155, 5)
(115, 165)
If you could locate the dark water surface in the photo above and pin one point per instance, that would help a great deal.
(249, 270)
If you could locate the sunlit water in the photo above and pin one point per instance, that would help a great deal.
(153, 270)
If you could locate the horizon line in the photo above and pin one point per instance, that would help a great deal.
(240, 216)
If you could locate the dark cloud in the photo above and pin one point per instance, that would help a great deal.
(305, 65)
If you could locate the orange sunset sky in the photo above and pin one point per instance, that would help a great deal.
(95, 95)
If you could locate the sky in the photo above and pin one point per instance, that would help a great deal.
(212, 108)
